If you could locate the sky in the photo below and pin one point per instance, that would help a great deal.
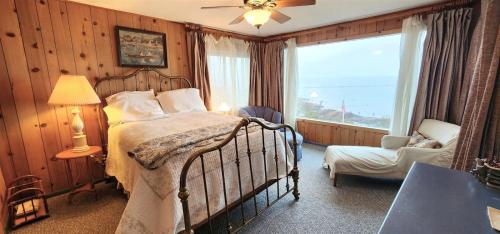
(361, 72)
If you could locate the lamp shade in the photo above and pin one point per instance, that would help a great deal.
(73, 90)
(257, 17)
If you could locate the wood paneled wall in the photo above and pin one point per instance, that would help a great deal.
(350, 30)
(328, 133)
(3, 203)
(40, 40)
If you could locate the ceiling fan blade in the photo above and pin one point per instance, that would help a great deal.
(279, 17)
(292, 3)
(216, 7)
(237, 20)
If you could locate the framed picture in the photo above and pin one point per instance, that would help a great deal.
(141, 48)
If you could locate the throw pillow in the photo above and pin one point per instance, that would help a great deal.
(428, 143)
(415, 139)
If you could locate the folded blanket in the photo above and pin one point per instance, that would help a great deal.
(155, 152)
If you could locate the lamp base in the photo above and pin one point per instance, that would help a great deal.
(80, 143)
(79, 139)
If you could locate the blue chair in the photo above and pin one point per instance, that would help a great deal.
(272, 116)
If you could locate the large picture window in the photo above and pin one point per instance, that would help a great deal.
(351, 82)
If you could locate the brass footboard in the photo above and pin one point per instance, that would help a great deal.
(243, 125)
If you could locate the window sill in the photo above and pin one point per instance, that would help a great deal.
(343, 125)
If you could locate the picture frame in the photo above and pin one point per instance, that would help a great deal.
(141, 48)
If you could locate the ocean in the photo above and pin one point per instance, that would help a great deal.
(362, 73)
(366, 96)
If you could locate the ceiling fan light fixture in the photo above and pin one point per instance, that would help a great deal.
(257, 17)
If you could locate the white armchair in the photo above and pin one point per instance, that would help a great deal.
(394, 142)
(394, 159)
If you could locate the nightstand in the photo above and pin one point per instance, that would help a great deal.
(67, 155)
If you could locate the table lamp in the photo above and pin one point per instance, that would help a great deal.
(73, 90)
(224, 108)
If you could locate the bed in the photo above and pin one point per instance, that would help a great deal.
(184, 170)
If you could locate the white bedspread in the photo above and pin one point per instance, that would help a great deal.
(153, 206)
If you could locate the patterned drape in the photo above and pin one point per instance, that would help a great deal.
(256, 52)
(272, 70)
(480, 132)
(442, 89)
(266, 74)
(198, 61)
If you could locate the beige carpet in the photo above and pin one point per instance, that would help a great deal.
(357, 205)
(84, 215)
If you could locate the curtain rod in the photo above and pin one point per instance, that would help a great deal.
(218, 32)
(450, 6)
(423, 10)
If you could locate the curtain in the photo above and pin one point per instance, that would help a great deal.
(442, 75)
(256, 52)
(480, 132)
(229, 68)
(198, 61)
(266, 75)
(272, 69)
(412, 38)
(290, 82)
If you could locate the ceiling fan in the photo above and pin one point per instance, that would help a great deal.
(258, 12)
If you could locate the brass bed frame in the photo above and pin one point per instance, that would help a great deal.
(147, 78)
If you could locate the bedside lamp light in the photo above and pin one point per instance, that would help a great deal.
(224, 108)
(73, 90)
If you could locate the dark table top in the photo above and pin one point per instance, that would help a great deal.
(440, 200)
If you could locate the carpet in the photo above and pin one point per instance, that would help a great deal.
(357, 205)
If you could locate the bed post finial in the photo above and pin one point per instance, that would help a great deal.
(183, 195)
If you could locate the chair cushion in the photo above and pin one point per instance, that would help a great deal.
(441, 131)
(300, 140)
(289, 137)
(362, 160)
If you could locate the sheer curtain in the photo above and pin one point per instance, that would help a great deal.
(229, 72)
(412, 38)
(290, 82)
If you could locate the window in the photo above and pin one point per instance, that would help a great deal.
(351, 82)
(229, 72)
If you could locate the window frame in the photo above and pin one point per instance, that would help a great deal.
(343, 39)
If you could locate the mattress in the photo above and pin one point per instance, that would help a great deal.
(153, 206)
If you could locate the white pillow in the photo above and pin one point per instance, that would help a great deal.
(181, 100)
(132, 106)
(149, 94)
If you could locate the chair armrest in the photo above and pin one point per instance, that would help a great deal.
(244, 113)
(439, 157)
(394, 142)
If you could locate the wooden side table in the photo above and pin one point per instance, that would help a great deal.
(67, 155)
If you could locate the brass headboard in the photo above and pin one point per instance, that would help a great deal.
(139, 80)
